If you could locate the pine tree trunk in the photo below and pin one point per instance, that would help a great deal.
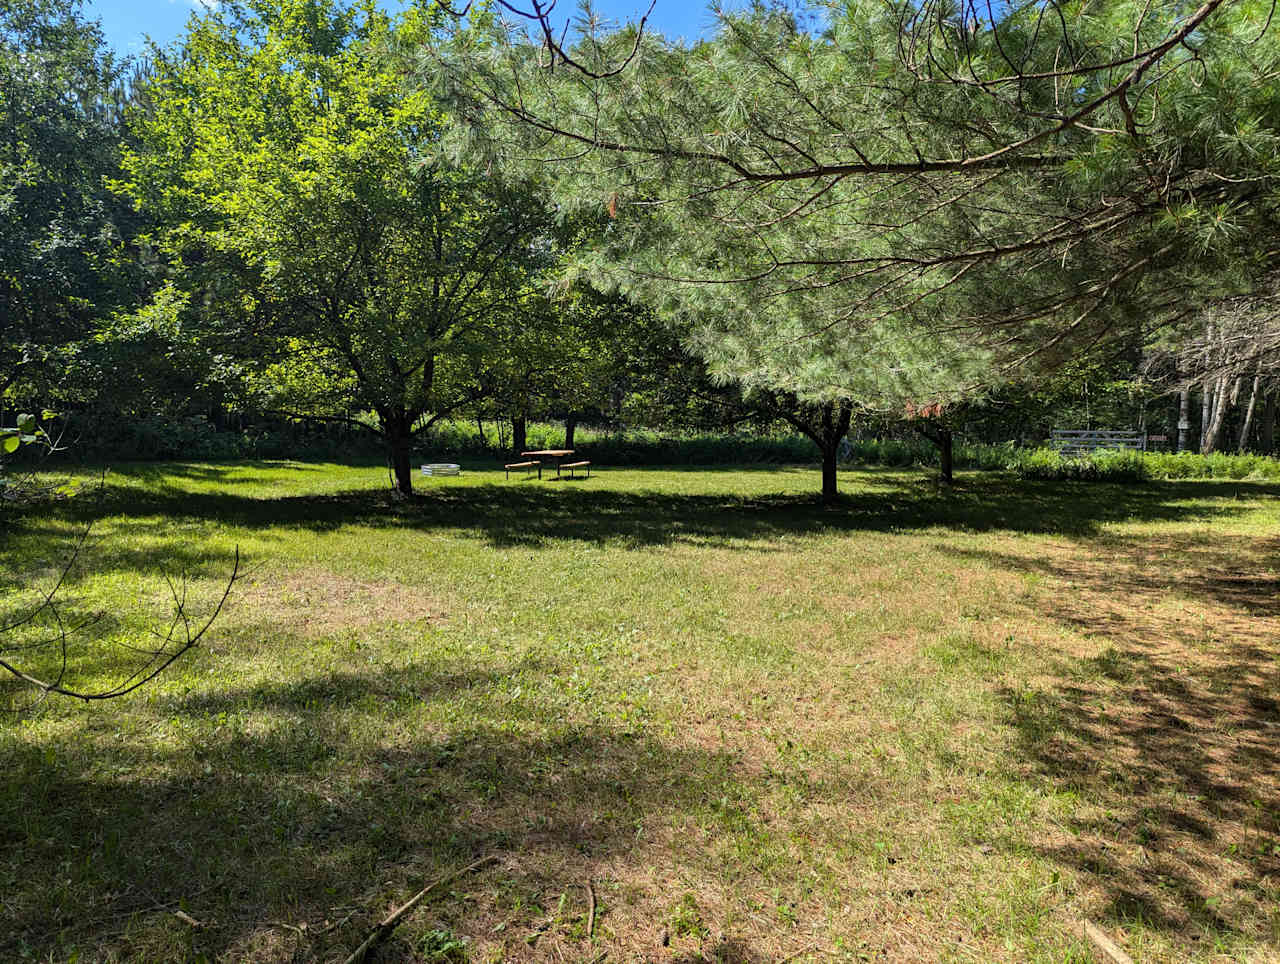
(519, 433)
(1267, 427)
(570, 426)
(945, 445)
(1248, 416)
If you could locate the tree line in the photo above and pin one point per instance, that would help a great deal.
(940, 216)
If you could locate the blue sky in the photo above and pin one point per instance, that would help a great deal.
(127, 22)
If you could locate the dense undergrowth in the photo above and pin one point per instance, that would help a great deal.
(197, 438)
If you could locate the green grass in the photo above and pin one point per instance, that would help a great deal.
(921, 725)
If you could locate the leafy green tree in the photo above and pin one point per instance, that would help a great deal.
(299, 191)
(573, 349)
(63, 261)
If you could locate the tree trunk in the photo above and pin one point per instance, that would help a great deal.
(519, 433)
(570, 426)
(835, 426)
(1248, 416)
(825, 425)
(943, 438)
(1184, 418)
(830, 488)
(1216, 420)
(396, 430)
(1267, 427)
(1206, 412)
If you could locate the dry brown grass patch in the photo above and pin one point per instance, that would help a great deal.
(319, 602)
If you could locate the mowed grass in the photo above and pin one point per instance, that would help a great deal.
(925, 724)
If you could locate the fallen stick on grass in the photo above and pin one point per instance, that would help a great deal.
(392, 920)
(1105, 944)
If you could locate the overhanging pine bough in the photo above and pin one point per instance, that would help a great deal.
(1022, 182)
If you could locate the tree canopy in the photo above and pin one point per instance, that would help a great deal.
(299, 187)
(63, 234)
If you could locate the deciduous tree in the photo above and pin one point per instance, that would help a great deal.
(301, 192)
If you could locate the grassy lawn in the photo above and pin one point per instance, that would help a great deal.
(924, 725)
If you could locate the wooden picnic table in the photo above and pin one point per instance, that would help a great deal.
(558, 454)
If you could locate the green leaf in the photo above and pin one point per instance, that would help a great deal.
(26, 423)
(11, 444)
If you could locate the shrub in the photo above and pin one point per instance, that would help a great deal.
(1104, 465)
(1216, 465)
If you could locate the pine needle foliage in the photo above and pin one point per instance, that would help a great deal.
(895, 202)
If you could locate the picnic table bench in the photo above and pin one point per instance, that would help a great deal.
(557, 455)
(524, 465)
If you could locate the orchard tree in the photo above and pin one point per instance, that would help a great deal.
(301, 194)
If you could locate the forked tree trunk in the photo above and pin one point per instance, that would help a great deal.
(825, 431)
(942, 437)
(824, 424)
(1216, 419)
(570, 426)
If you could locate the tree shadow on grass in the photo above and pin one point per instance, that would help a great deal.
(532, 516)
(288, 816)
(1169, 736)
(235, 471)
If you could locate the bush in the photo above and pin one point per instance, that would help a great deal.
(1216, 465)
(97, 436)
(1104, 465)
(632, 447)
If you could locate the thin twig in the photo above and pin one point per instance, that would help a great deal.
(392, 920)
(591, 911)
